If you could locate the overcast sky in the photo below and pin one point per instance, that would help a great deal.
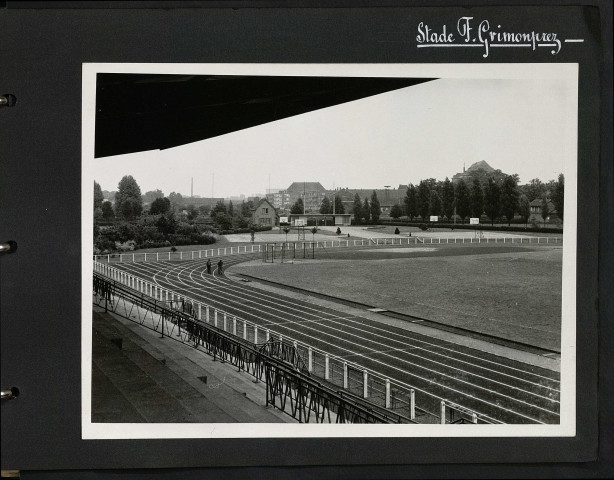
(423, 131)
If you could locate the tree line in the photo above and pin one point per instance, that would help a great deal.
(130, 223)
(496, 197)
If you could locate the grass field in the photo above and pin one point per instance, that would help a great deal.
(513, 292)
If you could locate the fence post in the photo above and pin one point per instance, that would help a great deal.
(309, 359)
(365, 384)
(326, 365)
(443, 412)
(412, 404)
(345, 375)
(388, 393)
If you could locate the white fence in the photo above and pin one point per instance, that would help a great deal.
(258, 248)
(415, 403)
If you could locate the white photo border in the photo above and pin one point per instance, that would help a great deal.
(567, 426)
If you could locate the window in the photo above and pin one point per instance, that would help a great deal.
(265, 210)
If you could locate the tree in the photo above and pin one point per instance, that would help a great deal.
(535, 189)
(128, 201)
(509, 198)
(231, 209)
(463, 205)
(357, 209)
(423, 197)
(298, 207)
(376, 209)
(435, 203)
(339, 208)
(152, 195)
(447, 198)
(192, 213)
(326, 206)
(524, 208)
(410, 202)
(246, 208)
(492, 200)
(545, 208)
(558, 196)
(366, 210)
(160, 205)
(176, 201)
(396, 211)
(167, 224)
(220, 207)
(107, 211)
(98, 196)
(477, 199)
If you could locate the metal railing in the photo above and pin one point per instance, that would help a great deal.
(288, 386)
(398, 397)
(310, 246)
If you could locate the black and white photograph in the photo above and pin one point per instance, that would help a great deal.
(329, 250)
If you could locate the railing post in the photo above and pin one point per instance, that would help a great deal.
(365, 384)
(309, 359)
(412, 404)
(443, 412)
(474, 417)
(345, 376)
(388, 393)
(326, 367)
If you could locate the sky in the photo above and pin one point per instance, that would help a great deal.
(424, 131)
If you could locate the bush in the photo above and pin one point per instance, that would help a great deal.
(397, 231)
(423, 227)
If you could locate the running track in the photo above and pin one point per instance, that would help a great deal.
(499, 389)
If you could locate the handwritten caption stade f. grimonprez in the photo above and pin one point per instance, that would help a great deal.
(484, 35)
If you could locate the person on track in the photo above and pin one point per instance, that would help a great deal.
(209, 266)
(220, 267)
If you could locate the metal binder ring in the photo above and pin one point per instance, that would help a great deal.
(9, 394)
(8, 247)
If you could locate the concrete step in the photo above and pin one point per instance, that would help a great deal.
(153, 364)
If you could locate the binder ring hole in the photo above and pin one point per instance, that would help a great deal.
(8, 100)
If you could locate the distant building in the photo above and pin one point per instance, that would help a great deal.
(536, 212)
(264, 214)
(312, 194)
(202, 201)
(279, 198)
(467, 176)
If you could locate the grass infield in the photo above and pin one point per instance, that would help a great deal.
(512, 292)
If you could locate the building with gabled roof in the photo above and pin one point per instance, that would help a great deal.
(264, 214)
